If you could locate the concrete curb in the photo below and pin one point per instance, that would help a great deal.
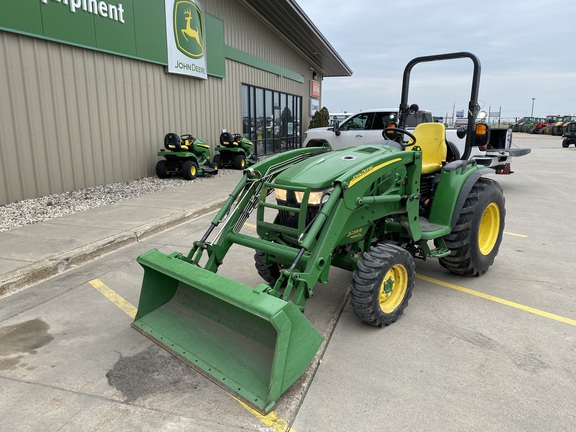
(34, 273)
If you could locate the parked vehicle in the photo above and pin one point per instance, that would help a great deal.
(369, 209)
(234, 151)
(362, 128)
(184, 156)
(569, 135)
(367, 126)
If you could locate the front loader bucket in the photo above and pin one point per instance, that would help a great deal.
(248, 341)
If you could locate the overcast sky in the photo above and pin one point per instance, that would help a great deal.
(524, 46)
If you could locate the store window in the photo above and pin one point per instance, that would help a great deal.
(271, 119)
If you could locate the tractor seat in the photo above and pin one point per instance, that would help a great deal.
(227, 140)
(173, 142)
(431, 138)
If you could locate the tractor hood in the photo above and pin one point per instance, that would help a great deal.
(322, 171)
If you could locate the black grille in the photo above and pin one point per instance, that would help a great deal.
(290, 219)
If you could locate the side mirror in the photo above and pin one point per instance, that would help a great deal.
(337, 128)
(462, 131)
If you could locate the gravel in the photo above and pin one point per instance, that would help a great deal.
(31, 211)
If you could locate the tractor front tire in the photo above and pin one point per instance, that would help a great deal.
(476, 238)
(565, 143)
(382, 284)
(217, 161)
(239, 162)
(161, 170)
(269, 272)
(189, 170)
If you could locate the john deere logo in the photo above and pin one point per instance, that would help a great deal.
(189, 29)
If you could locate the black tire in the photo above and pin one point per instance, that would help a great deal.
(476, 238)
(215, 167)
(269, 272)
(161, 170)
(565, 143)
(189, 170)
(382, 284)
(239, 162)
(216, 161)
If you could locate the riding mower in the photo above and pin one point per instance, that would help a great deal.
(569, 134)
(370, 209)
(186, 156)
(234, 151)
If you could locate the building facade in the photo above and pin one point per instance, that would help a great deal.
(88, 90)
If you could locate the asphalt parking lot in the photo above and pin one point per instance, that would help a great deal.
(493, 353)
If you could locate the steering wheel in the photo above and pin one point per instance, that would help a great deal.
(187, 137)
(402, 131)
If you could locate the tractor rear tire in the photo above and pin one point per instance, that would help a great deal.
(161, 170)
(269, 272)
(476, 238)
(189, 170)
(239, 162)
(382, 284)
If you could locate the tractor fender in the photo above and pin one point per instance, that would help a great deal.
(466, 188)
(456, 180)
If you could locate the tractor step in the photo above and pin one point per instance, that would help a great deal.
(440, 252)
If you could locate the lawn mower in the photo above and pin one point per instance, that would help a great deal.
(186, 156)
(234, 151)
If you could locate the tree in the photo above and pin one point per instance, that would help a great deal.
(320, 119)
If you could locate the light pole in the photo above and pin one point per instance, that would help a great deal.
(532, 114)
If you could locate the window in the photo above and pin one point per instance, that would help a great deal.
(271, 119)
(358, 122)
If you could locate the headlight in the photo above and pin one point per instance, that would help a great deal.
(315, 198)
(281, 194)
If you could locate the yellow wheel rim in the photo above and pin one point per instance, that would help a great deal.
(243, 163)
(393, 288)
(192, 170)
(489, 229)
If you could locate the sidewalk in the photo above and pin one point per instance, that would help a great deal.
(35, 252)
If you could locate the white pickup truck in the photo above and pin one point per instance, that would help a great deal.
(366, 128)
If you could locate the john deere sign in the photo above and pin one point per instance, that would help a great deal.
(185, 34)
(173, 33)
(107, 10)
(133, 28)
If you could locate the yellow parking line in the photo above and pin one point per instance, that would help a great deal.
(250, 225)
(515, 235)
(115, 298)
(499, 300)
(275, 423)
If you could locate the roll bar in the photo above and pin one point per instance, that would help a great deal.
(473, 107)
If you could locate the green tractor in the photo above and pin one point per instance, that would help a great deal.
(370, 209)
(186, 156)
(569, 134)
(234, 151)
